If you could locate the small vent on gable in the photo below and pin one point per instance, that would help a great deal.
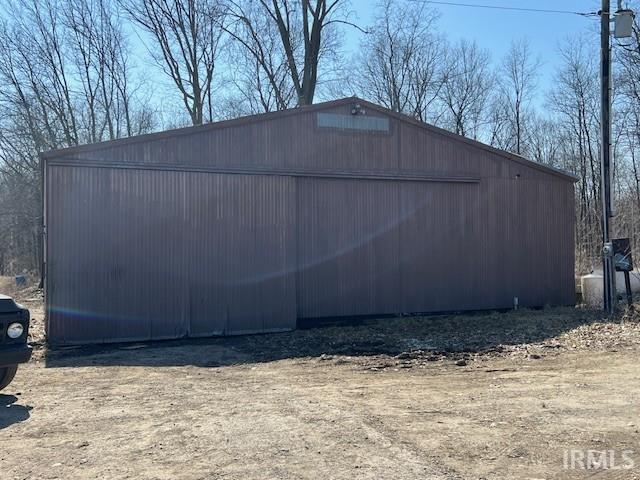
(353, 122)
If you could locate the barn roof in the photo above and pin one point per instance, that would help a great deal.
(294, 111)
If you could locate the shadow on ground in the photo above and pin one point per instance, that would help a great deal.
(10, 412)
(446, 334)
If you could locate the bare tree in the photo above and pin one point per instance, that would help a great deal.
(261, 74)
(65, 68)
(98, 52)
(400, 60)
(517, 85)
(305, 29)
(545, 139)
(34, 64)
(188, 34)
(467, 87)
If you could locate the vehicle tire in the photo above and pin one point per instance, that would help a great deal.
(7, 374)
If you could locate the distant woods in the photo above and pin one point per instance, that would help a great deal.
(82, 71)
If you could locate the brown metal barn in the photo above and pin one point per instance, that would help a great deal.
(338, 209)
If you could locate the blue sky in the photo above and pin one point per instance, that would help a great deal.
(494, 29)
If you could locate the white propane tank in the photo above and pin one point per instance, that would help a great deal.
(592, 289)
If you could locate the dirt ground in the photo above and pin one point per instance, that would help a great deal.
(485, 396)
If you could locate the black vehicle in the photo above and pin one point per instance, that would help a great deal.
(14, 327)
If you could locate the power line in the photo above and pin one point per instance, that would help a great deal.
(517, 9)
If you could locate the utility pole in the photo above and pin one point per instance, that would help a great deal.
(608, 271)
(624, 18)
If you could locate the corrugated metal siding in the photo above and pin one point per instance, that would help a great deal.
(149, 254)
(527, 242)
(138, 247)
(368, 247)
(438, 239)
(348, 255)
